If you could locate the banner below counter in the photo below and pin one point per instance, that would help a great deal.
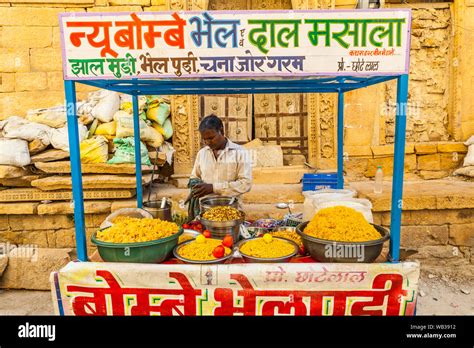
(301, 289)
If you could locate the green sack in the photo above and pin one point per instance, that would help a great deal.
(125, 152)
(167, 129)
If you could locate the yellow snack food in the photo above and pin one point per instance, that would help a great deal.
(201, 251)
(290, 235)
(222, 213)
(133, 230)
(341, 224)
(260, 248)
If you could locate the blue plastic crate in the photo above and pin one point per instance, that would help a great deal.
(319, 181)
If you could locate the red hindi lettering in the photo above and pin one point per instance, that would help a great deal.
(76, 37)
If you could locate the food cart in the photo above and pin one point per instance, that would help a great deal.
(241, 52)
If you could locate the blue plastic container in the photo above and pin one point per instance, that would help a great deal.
(319, 181)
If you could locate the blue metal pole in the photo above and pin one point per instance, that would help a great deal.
(138, 159)
(76, 173)
(340, 140)
(398, 167)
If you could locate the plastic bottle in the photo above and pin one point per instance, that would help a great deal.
(378, 180)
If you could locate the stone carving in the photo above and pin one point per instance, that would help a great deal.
(181, 135)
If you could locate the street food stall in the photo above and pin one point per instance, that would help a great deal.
(145, 268)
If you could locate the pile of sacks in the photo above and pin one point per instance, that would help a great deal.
(468, 166)
(105, 130)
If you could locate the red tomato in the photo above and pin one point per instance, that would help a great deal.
(228, 241)
(185, 226)
(301, 250)
(218, 252)
(207, 233)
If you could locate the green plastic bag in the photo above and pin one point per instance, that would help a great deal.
(125, 152)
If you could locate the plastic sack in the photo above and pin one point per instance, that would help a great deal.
(469, 159)
(94, 150)
(108, 105)
(16, 127)
(129, 212)
(108, 128)
(14, 152)
(148, 134)
(168, 129)
(158, 112)
(59, 137)
(54, 117)
(361, 205)
(157, 138)
(125, 152)
(327, 194)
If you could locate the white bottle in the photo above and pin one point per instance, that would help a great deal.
(378, 180)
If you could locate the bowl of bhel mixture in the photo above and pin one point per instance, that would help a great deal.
(267, 249)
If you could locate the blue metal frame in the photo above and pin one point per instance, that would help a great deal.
(338, 85)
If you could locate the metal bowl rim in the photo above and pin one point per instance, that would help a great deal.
(179, 257)
(384, 238)
(239, 244)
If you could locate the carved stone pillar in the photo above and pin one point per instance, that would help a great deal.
(184, 109)
(321, 109)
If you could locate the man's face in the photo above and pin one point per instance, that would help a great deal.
(212, 138)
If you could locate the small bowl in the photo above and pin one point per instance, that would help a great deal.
(317, 247)
(189, 232)
(198, 262)
(286, 258)
(257, 231)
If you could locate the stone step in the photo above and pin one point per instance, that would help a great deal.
(64, 167)
(90, 182)
(34, 194)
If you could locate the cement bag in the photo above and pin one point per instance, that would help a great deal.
(469, 159)
(94, 150)
(14, 152)
(59, 137)
(125, 152)
(466, 171)
(361, 205)
(109, 128)
(18, 128)
(157, 138)
(108, 105)
(168, 129)
(158, 112)
(125, 129)
(309, 208)
(53, 117)
(129, 212)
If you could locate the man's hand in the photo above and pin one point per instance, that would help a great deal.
(201, 190)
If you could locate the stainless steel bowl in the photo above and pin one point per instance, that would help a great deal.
(189, 232)
(257, 231)
(219, 229)
(318, 248)
(254, 259)
(214, 201)
(198, 262)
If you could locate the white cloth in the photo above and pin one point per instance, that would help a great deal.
(230, 174)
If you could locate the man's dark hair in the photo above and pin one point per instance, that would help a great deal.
(211, 122)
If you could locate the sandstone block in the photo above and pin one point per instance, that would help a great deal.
(64, 167)
(388, 150)
(46, 59)
(14, 60)
(357, 151)
(22, 181)
(433, 174)
(278, 175)
(7, 82)
(462, 234)
(90, 207)
(3, 264)
(441, 255)
(416, 236)
(19, 103)
(130, 203)
(8, 172)
(30, 268)
(387, 165)
(433, 217)
(49, 156)
(423, 149)
(36, 146)
(29, 16)
(158, 2)
(32, 81)
(27, 208)
(3, 223)
(429, 162)
(26, 37)
(95, 220)
(452, 147)
(451, 160)
(267, 156)
(38, 239)
(115, 9)
(155, 8)
(25, 223)
(130, 2)
(90, 182)
(66, 238)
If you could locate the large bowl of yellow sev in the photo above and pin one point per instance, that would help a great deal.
(201, 252)
(267, 249)
(342, 234)
(137, 240)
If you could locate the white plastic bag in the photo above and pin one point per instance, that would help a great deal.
(14, 152)
(16, 127)
(59, 137)
(54, 117)
(327, 194)
(469, 159)
(361, 205)
(106, 108)
(130, 212)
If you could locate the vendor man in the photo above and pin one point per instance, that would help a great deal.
(221, 168)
